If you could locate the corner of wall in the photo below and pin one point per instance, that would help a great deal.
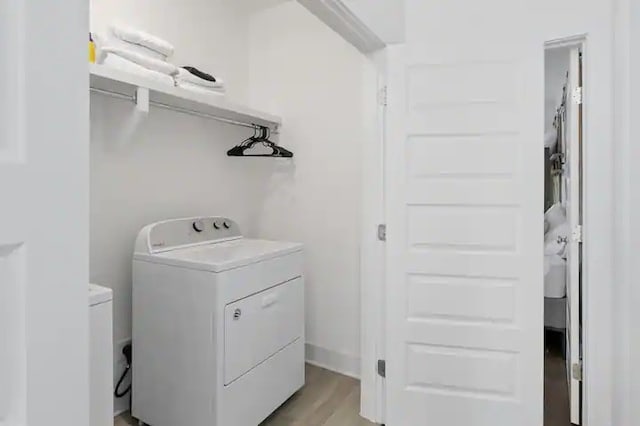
(332, 360)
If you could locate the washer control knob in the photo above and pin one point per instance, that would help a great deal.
(198, 226)
(215, 225)
(226, 225)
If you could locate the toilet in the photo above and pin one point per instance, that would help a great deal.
(100, 356)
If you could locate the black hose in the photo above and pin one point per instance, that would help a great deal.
(117, 392)
(127, 351)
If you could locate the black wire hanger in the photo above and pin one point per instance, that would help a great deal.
(261, 135)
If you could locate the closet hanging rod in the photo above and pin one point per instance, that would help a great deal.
(184, 110)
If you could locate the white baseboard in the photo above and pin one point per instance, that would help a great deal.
(348, 365)
(118, 412)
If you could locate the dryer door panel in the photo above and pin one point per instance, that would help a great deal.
(258, 326)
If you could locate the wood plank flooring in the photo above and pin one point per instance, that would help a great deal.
(327, 399)
(331, 399)
(556, 389)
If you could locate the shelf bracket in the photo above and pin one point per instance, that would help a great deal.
(142, 99)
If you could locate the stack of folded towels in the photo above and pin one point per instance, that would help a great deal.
(138, 52)
(191, 78)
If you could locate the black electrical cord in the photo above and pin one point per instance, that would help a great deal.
(127, 352)
(117, 392)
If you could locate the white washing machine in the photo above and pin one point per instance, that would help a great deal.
(218, 324)
(100, 356)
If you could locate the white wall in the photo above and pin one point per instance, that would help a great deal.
(208, 34)
(625, 294)
(383, 17)
(595, 20)
(315, 79)
(167, 164)
(145, 169)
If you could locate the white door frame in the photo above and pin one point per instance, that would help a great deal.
(598, 215)
(630, 329)
(372, 401)
(627, 234)
(597, 325)
(574, 162)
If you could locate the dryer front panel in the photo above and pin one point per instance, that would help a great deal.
(258, 326)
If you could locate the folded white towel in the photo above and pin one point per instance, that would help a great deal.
(142, 38)
(186, 76)
(109, 40)
(200, 89)
(115, 61)
(142, 60)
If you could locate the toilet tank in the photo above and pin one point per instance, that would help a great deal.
(100, 356)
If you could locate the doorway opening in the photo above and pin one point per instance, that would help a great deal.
(563, 207)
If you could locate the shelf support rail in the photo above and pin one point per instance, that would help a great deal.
(184, 110)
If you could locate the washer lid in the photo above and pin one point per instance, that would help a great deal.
(222, 256)
(99, 294)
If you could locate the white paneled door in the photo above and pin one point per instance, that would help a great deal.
(43, 213)
(464, 190)
(573, 175)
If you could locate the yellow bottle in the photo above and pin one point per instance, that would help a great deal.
(92, 50)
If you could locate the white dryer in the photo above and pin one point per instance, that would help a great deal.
(218, 324)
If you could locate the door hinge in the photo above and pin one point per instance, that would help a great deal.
(382, 96)
(576, 371)
(577, 96)
(576, 235)
(382, 368)
(382, 232)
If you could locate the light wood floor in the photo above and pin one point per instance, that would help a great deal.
(327, 399)
(331, 399)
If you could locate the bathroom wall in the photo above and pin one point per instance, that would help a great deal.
(300, 67)
(556, 65)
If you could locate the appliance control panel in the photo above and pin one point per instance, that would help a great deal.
(175, 233)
